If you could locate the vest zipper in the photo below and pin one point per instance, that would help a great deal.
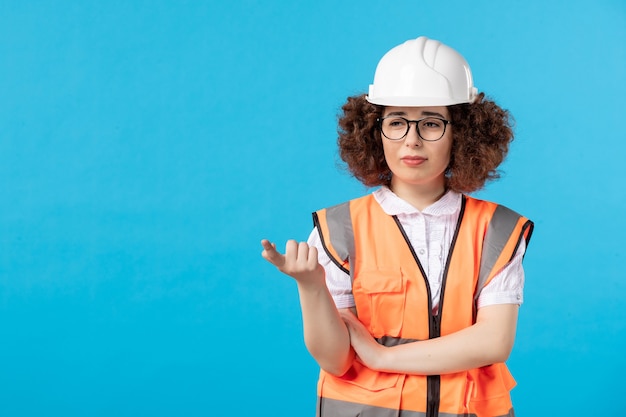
(433, 382)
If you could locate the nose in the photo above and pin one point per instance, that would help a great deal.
(412, 137)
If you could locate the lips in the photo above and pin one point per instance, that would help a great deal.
(413, 160)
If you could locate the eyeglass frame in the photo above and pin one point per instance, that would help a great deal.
(408, 124)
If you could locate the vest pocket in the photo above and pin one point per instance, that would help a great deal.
(368, 379)
(489, 390)
(386, 297)
(360, 392)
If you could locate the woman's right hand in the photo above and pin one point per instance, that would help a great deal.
(299, 261)
(325, 334)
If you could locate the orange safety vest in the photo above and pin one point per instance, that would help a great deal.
(393, 301)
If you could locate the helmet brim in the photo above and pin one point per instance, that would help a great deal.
(416, 101)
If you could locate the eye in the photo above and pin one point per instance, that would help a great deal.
(432, 123)
(395, 123)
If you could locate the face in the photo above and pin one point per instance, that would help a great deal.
(416, 163)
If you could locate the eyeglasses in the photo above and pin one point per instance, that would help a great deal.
(429, 128)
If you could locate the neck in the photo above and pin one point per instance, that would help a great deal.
(419, 196)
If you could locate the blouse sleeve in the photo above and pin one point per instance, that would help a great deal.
(338, 282)
(507, 287)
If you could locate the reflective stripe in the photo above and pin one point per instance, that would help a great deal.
(511, 413)
(340, 222)
(338, 408)
(389, 341)
(327, 407)
(498, 234)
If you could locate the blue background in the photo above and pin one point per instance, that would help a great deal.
(147, 146)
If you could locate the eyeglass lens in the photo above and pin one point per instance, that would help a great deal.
(430, 128)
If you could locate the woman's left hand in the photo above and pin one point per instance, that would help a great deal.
(370, 353)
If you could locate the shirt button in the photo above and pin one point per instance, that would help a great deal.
(422, 251)
(519, 297)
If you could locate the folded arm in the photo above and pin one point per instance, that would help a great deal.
(489, 340)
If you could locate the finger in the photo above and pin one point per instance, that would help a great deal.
(312, 260)
(267, 245)
(291, 251)
(346, 314)
(303, 252)
(350, 327)
(271, 254)
(346, 321)
(349, 323)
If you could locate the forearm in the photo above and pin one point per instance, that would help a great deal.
(488, 341)
(470, 348)
(325, 334)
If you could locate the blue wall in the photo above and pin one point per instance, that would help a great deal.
(147, 146)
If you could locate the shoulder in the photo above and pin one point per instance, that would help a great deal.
(340, 218)
(499, 219)
(479, 205)
(350, 204)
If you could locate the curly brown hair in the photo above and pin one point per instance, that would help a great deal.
(481, 134)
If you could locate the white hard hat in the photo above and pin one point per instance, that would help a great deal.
(422, 72)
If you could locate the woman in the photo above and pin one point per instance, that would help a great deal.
(410, 295)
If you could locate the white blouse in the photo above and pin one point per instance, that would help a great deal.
(430, 232)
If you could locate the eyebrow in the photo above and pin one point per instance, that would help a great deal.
(424, 113)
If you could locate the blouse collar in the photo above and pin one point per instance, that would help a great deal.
(449, 203)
